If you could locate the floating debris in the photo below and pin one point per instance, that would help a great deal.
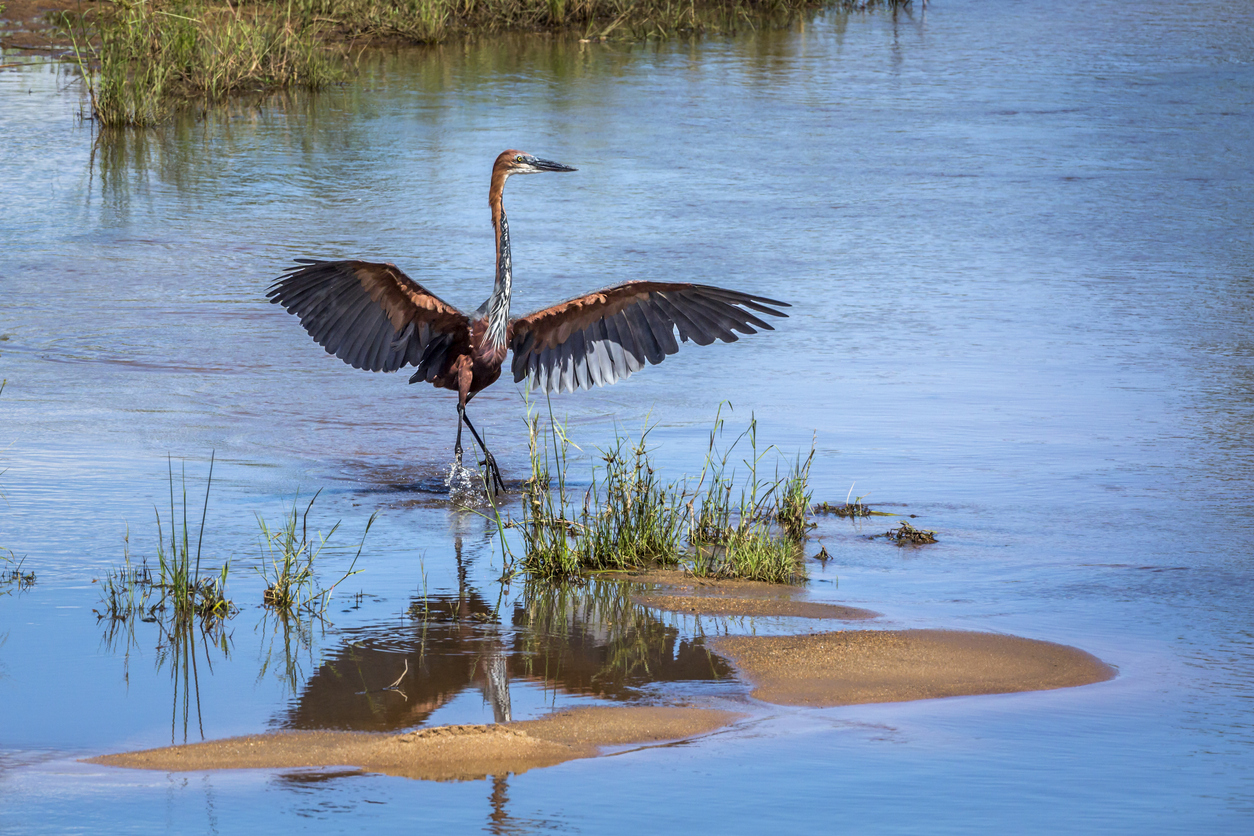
(907, 535)
(844, 509)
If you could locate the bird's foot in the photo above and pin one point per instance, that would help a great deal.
(495, 483)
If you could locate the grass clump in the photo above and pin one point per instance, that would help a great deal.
(140, 56)
(188, 592)
(625, 519)
(287, 566)
(126, 590)
(628, 518)
(753, 555)
(177, 588)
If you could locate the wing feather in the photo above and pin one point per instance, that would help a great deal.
(688, 328)
(371, 316)
(608, 335)
(663, 326)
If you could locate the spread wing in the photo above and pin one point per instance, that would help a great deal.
(605, 336)
(371, 316)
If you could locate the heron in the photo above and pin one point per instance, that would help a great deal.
(374, 317)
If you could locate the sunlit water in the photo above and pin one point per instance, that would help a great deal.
(1017, 238)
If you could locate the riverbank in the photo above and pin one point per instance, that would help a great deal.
(141, 59)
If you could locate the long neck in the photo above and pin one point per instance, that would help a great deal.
(498, 303)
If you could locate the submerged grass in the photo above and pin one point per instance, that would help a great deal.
(140, 57)
(855, 508)
(14, 576)
(628, 518)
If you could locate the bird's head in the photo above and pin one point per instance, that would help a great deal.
(520, 162)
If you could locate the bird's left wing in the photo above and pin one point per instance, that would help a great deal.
(372, 316)
(602, 337)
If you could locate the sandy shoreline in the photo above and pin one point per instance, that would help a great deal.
(443, 753)
(870, 666)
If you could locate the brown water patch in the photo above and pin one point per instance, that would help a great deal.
(852, 667)
(721, 605)
(443, 753)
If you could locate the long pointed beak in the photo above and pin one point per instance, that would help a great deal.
(549, 165)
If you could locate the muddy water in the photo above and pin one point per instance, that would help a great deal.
(1018, 244)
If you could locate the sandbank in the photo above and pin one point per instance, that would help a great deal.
(676, 591)
(735, 605)
(868, 666)
(443, 753)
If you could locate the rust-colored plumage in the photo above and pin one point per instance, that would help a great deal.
(372, 316)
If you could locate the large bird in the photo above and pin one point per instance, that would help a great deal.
(374, 317)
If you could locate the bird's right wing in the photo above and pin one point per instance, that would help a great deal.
(605, 336)
(371, 316)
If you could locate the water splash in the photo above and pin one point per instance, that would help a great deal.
(464, 486)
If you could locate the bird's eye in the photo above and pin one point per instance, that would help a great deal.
(520, 159)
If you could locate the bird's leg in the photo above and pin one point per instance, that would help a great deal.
(498, 484)
(457, 448)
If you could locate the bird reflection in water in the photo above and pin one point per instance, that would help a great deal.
(588, 641)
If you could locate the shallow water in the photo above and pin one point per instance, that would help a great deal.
(1018, 243)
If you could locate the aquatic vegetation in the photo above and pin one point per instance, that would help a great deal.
(14, 576)
(907, 535)
(287, 564)
(180, 581)
(187, 609)
(126, 590)
(753, 555)
(139, 57)
(628, 518)
(793, 511)
(855, 508)
(177, 589)
(844, 509)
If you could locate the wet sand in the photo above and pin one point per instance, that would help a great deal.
(868, 666)
(676, 591)
(734, 605)
(444, 753)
